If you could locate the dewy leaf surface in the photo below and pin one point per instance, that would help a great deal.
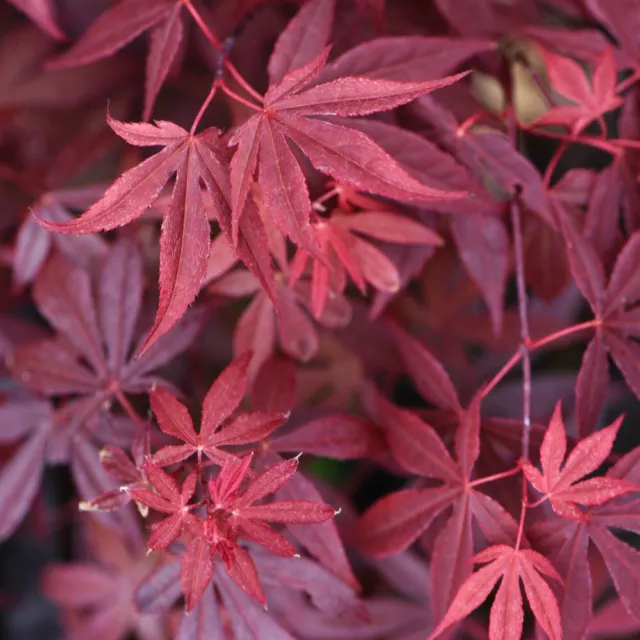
(185, 236)
(409, 232)
(507, 615)
(290, 114)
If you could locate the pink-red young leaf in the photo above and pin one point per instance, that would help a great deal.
(561, 485)
(507, 616)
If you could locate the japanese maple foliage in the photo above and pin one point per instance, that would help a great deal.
(319, 319)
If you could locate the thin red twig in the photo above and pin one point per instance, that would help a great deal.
(495, 476)
(242, 82)
(205, 105)
(240, 99)
(538, 344)
(131, 412)
(202, 25)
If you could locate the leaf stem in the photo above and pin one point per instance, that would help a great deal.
(590, 141)
(464, 126)
(627, 82)
(553, 163)
(126, 405)
(537, 503)
(242, 82)
(240, 99)
(201, 23)
(523, 513)
(515, 358)
(205, 105)
(590, 324)
(495, 476)
(219, 47)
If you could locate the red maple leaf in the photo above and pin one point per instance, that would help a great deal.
(399, 518)
(507, 614)
(49, 436)
(119, 466)
(122, 23)
(88, 319)
(96, 595)
(222, 399)
(319, 596)
(293, 112)
(167, 499)
(247, 519)
(185, 241)
(345, 252)
(232, 515)
(565, 541)
(616, 312)
(562, 485)
(592, 100)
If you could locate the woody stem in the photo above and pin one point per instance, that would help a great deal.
(525, 341)
(525, 338)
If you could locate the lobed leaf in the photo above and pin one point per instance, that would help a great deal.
(115, 28)
(304, 38)
(397, 519)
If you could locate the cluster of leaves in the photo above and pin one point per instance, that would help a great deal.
(363, 218)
